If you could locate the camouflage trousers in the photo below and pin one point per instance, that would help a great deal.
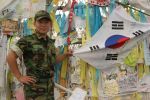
(40, 91)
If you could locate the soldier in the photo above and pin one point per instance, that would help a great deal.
(39, 54)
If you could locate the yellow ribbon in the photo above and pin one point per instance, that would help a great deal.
(64, 65)
(94, 83)
(55, 2)
(83, 66)
(54, 22)
(88, 34)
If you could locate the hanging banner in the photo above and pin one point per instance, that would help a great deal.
(144, 84)
(4, 3)
(147, 51)
(79, 22)
(27, 8)
(22, 8)
(5, 11)
(141, 4)
(3, 53)
(78, 94)
(114, 40)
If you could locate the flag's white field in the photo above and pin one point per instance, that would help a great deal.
(114, 40)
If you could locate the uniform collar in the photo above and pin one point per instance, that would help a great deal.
(40, 37)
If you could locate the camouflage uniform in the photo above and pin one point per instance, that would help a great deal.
(39, 57)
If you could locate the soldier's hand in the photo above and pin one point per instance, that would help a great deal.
(27, 79)
(69, 53)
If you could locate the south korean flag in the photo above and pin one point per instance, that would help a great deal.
(114, 40)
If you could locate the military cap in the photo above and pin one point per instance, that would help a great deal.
(42, 14)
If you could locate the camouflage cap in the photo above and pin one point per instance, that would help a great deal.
(42, 15)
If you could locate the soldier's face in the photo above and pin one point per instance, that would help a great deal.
(42, 26)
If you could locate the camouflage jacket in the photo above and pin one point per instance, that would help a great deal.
(38, 54)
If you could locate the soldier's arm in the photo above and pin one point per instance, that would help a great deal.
(61, 57)
(16, 51)
(12, 62)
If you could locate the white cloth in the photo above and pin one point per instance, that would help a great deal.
(27, 8)
(4, 3)
(144, 84)
(79, 22)
(78, 94)
(22, 8)
(7, 8)
(141, 4)
(147, 51)
(3, 45)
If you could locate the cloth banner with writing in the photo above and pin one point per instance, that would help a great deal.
(3, 10)
(4, 3)
(21, 8)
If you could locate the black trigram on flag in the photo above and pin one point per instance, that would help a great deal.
(111, 57)
(96, 47)
(137, 33)
(117, 25)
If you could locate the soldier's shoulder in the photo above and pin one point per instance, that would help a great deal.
(29, 37)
